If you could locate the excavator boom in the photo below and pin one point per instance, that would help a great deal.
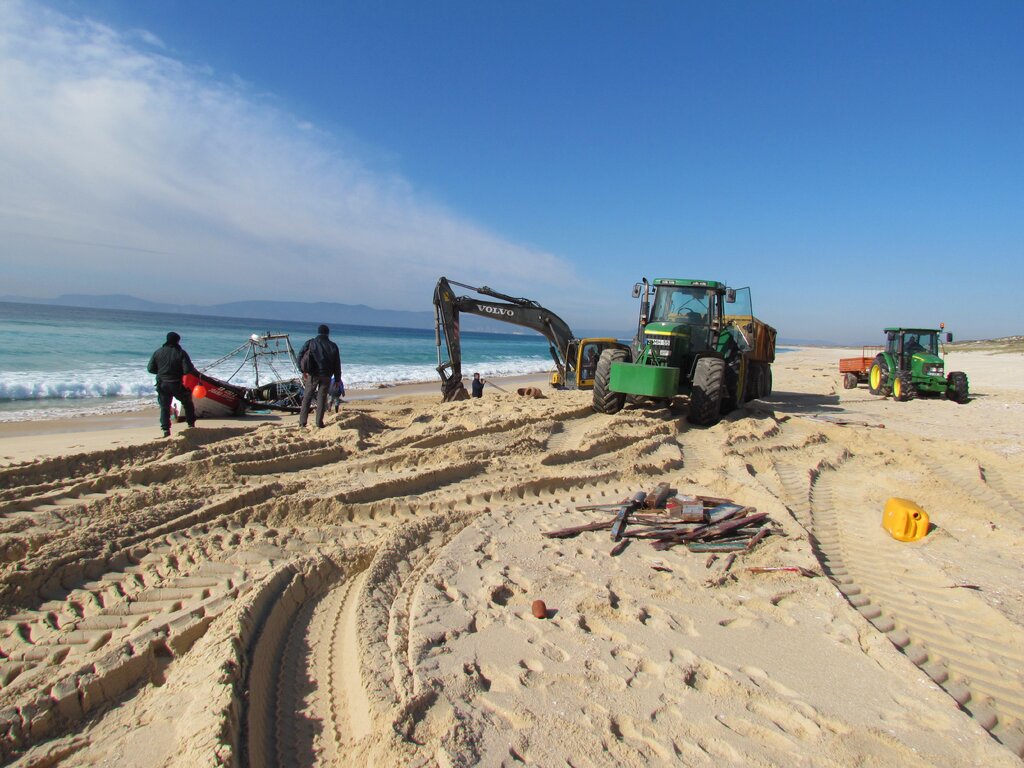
(518, 311)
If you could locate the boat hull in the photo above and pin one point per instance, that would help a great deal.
(222, 399)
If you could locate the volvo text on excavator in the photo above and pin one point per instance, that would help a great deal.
(575, 359)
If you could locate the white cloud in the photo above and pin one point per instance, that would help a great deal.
(125, 170)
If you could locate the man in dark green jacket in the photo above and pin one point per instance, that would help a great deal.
(170, 363)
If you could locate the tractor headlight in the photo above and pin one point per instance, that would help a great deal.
(659, 342)
(934, 370)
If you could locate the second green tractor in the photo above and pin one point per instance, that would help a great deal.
(911, 365)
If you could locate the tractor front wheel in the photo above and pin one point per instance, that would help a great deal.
(849, 381)
(706, 393)
(902, 387)
(878, 376)
(606, 401)
(957, 387)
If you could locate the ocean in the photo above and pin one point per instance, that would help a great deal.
(68, 361)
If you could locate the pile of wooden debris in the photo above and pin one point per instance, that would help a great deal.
(666, 519)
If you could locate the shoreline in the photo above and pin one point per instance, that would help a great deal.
(30, 439)
(989, 372)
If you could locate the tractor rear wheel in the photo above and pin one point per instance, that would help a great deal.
(606, 401)
(706, 392)
(957, 387)
(878, 376)
(903, 387)
(849, 381)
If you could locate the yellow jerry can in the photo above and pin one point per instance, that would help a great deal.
(904, 520)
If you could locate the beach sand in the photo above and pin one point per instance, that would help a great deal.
(249, 593)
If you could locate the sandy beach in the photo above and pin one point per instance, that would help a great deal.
(251, 593)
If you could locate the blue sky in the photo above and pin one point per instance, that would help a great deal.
(858, 164)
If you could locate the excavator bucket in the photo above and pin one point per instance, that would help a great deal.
(453, 391)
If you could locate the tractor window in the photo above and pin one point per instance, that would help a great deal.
(681, 304)
(892, 343)
(922, 341)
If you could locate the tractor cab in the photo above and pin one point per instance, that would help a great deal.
(683, 320)
(915, 349)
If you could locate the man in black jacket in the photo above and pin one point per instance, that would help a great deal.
(318, 366)
(170, 363)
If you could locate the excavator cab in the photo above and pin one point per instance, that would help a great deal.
(583, 355)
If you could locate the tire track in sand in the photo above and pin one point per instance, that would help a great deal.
(314, 722)
(973, 652)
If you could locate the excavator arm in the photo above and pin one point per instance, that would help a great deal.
(518, 311)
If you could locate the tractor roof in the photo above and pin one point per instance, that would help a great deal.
(713, 284)
(911, 330)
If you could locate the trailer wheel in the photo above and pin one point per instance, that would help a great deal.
(605, 400)
(957, 387)
(903, 387)
(849, 381)
(754, 379)
(878, 375)
(706, 393)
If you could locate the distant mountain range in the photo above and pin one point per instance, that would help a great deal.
(299, 311)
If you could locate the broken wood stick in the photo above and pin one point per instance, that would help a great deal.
(717, 546)
(619, 548)
(566, 533)
(783, 569)
(622, 519)
(757, 537)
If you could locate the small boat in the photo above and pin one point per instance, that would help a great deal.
(266, 377)
(222, 399)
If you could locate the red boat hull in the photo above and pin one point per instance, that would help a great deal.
(222, 399)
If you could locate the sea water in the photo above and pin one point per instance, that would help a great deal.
(66, 361)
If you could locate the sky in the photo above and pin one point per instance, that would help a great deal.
(857, 164)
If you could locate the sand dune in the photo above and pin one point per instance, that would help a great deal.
(256, 594)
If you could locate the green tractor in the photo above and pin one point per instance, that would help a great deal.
(688, 343)
(911, 365)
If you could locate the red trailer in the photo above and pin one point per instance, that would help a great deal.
(855, 369)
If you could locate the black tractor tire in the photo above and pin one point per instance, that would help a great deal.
(706, 392)
(957, 387)
(903, 387)
(849, 381)
(767, 381)
(606, 401)
(882, 378)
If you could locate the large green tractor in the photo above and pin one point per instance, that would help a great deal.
(911, 365)
(687, 343)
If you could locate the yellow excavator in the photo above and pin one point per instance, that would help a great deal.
(575, 359)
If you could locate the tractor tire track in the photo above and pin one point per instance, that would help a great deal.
(956, 639)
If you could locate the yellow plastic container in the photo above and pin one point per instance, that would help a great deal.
(904, 520)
